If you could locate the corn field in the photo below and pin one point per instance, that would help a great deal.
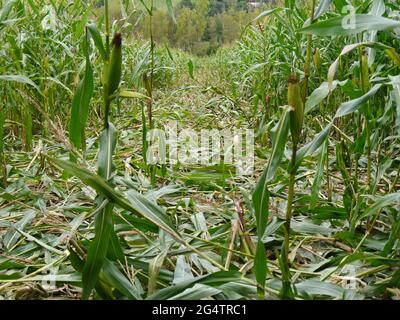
(85, 212)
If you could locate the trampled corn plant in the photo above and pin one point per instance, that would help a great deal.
(37, 36)
(292, 118)
(105, 246)
(328, 196)
(149, 84)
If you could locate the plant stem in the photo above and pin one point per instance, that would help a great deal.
(106, 98)
(307, 66)
(289, 208)
(107, 104)
(107, 22)
(150, 104)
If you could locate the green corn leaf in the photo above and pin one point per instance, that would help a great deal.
(393, 238)
(197, 292)
(39, 242)
(339, 26)
(170, 10)
(393, 55)
(261, 208)
(80, 107)
(320, 94)
(98, 250)
(214, 280)
(132, 95)
(98, 41)
(114, 69)
(108, 142)
(20, 79)
(322, 8)
(313, 146)
(349, 48)
(261, 196)
(343, 110)
(263, 14)
(149, 10)
(115, 251)
(145, 143)
(339, 4)
(395, 82)
(154, 269)
(353, 105)
(119, 281)
(340, 163)
(279, 143)
(382, 202)
(319, 288)
(318, 176)
(104, 230)
(140, 204)
(12, 236)
(191, 69)
(151, 211)
(383, 167)
(260, 267)
(378, 9)
(287, 292)
(76, 261)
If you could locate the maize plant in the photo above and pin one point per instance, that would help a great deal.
(121, 172)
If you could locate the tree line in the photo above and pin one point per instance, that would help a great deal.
(200, 27)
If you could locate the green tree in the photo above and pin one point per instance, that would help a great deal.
(190, 28)
(186, 4)
(219, 30)
(242, 5)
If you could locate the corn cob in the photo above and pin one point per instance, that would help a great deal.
(295, 101)
(365, 72)
(115, 65)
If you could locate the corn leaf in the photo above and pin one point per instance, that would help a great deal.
(382, 202)
(154, 269)
(362, 22)
(170, 10)
(140, 204)
(261, 196)
(320, 94)
(98, 250)
(98, 41)
(20, 79)
(343, 110)
(119, 281)
(80, 107)
(108, 142)
(349, 48)
(322, 8)
(132, 95)
(318, 176)
(12, 236)
(214, 280)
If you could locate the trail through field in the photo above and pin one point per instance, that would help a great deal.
(281, 179)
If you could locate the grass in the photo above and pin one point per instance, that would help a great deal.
(318, 218)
